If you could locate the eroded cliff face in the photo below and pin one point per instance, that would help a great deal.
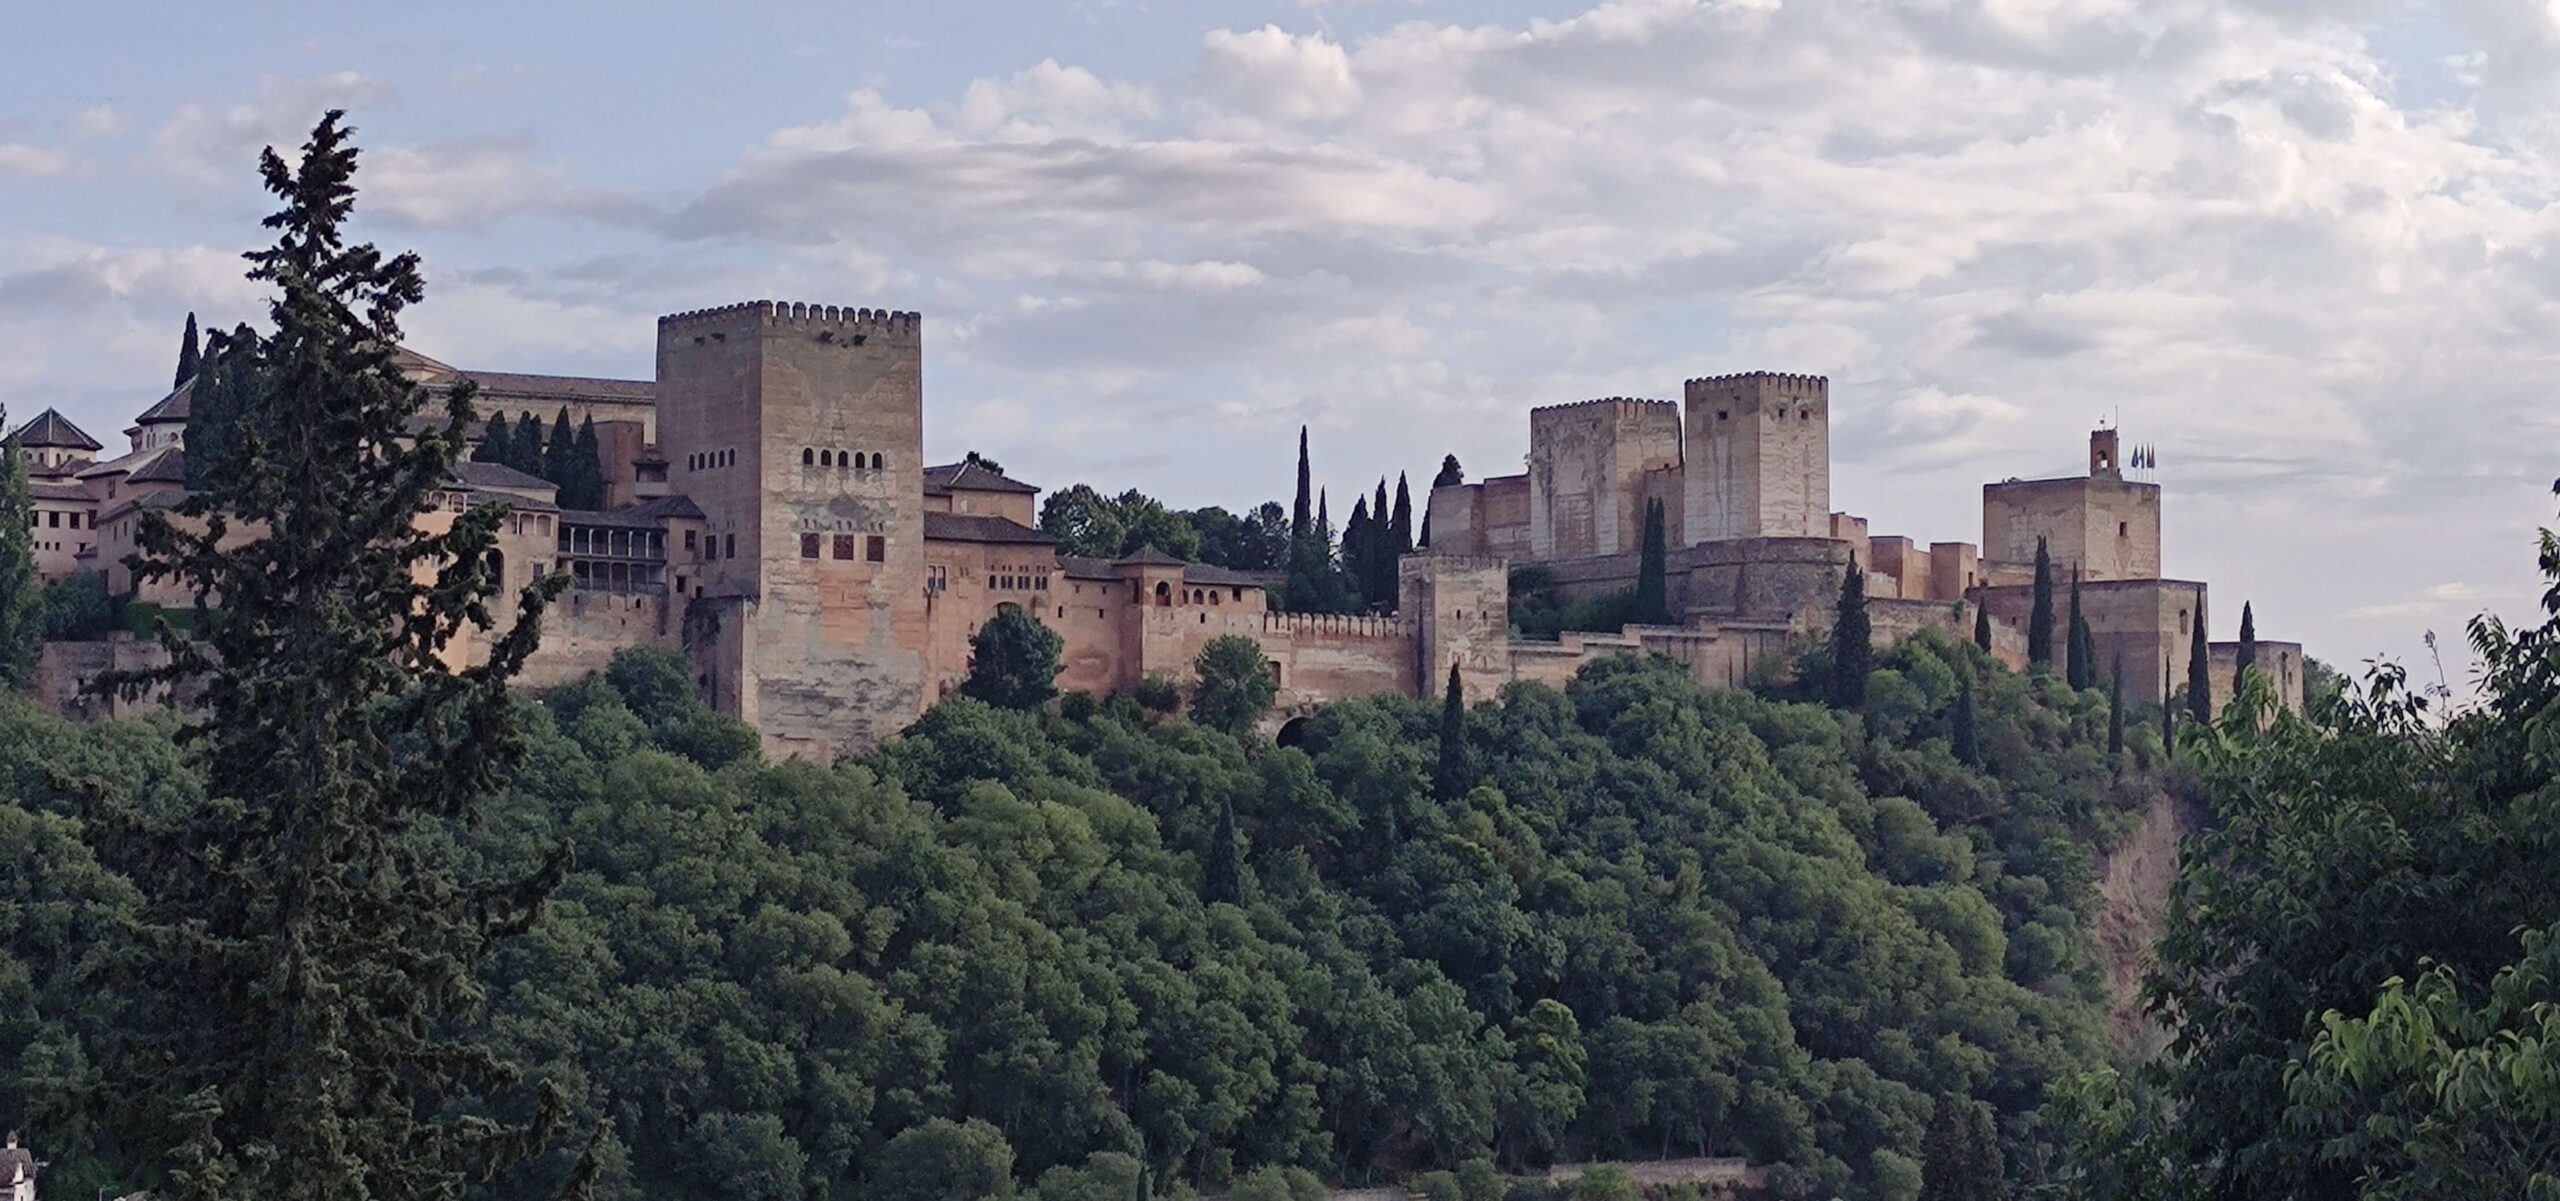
(2133, 883)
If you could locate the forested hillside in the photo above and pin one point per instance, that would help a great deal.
(1639, 918)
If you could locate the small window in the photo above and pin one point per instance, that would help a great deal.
(844, 546)
(875, 549)
(826, 458)
(1164, 594)
(808, 546)
(688, 539)
(807, 456)
(732, 550)
(2120, 529)
(876, 460)
(1721, 414)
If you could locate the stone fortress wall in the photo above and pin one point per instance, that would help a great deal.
(773, 519)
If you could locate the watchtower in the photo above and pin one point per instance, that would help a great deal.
(1587, 465)
(1759, 457)
(799, 431)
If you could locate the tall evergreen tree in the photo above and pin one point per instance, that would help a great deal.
(1401, 523)
(1652, 604)
(2168, 708)
(1301, 516)
(524, 450)
(560, 452)
(2076, 667)
(1450, 472)
(1988, 1174)
(1945, 1158)
(2248, 656)
(1964, 730)
(301, 961)
(2115, 707)
(1222, 876)
(21, 593)
(1852, 649)
(189, 354)
(586, 466)
(1356, 550)
(1982, 625)
(1380, 569)
(2200, 675)
(1449, 777)
(2040, 616)
(493, 446)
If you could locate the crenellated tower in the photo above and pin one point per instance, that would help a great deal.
(799, 431)
(1759, 457)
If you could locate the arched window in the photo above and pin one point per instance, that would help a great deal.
(875, 460)
(1213, 596)
(1164, 594)
(807, 456)
(826, 458)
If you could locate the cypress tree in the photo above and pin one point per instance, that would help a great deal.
(1945, 1161)
(560, 453)
(293, 999)
(217, 404)
(1982, 625)
(493, 445)
(2040, 617)
(1422, 541)
(1450, 472)
(21, 593)
(1964, 735)
(1355, 548)
(1223, 875)
(1381, 549)
(1449, 778)
(1852, 654)
(189, 356)
(2168, 708)
(1301, 518)
(1653, 594)
(2115, 707)
(2076, 667)
(2248, 656)
(1988, 1175)
(524, 451)
(1402, 522)
(586, 463)
(2200, 675)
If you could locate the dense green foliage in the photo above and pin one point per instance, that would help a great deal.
(1542, 611)
(21, 593)
(1852, 643)
(1014, 661)
(1232, 686)
(77, 607)
(295, 967)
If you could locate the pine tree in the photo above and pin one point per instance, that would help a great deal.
(1982, 625)
(1653, 590)
(301, 961)
(1852, 654)
(560, 452)
(21, 592)
(1964, 734)
(2248, 656)
(2040, 616)
(2200, 675)
(2115, 707)
(1449, 778)
(524, 451)
(493, 445)
(2077, 670)
(586, 467)
(189, 355)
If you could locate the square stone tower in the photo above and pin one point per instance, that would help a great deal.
(1587, 465)
(1759, 464)
(799, 431)
(2101, 525)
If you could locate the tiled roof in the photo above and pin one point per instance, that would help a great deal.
(169, 409)
(1223, 577)
(981, 527)
(125, 463)
(53, 431)
(499, 475)
(1079, 567)
(970, 475)
(167, 467)
(1148, 556)
(512, 387)
(648, 514)
(57, 490)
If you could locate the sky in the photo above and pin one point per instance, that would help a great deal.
(2305, 248)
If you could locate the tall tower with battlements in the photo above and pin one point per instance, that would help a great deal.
(1759, 457)
(799, 431)
(1590, 468)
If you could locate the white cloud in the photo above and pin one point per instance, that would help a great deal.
(208, 145)
(18, 158)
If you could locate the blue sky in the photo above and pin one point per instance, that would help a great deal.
(2303, 246)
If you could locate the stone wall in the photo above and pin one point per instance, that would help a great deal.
(1759, 457)
(1587, 468)
(1460, 609)
(2108, 528)
(2280, 662)
(2150, 622)
(583, 629)
(1325, 657)
(1765, 579)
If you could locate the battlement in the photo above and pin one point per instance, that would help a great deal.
(1623, 404)
(1434, 561)
(1353, 625)
(778, 312)
(1781, 380)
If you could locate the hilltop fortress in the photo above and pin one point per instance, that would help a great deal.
(769, 515)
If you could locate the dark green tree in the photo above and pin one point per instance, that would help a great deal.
(189, 354)
(2248, 656)
(1964, 734)
(1988, 1173)
(1946, 1159)
(2168, 709)
(1982, 625)
(300, 963)
(1449, 777)
(1233, 686)
(1852, 642)
(1653, 593)
(560, 452)
(1301, 515)
(1380, 547)
(524, 450)
(943, 1160)
(1450, 472)
(1222, 873)
(1013, 661)
(1085, 522)
(21, 593)
(586, 468)
(493, 444)
(1400, 523)
(2040, 615)
(2115, 706)
(2077, 670)
(2200, 675)
(219, 403)
(1358, 551)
